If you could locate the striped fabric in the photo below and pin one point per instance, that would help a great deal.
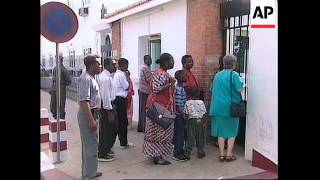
(157, 141)
(159, 80)
(181, 98)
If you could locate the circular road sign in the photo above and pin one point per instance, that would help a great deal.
(58, 22)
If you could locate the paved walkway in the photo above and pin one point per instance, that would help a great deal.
(132, 164)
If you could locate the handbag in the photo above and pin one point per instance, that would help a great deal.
(237, 109)
(160, 115)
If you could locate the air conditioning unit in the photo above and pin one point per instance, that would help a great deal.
(84, 11)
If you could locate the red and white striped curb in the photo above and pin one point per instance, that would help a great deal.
(44, 125)
(53, 139)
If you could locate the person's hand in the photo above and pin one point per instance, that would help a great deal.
(172, 81)
(112, 117)
(92, 124)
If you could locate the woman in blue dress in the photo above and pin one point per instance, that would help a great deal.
(223, 125)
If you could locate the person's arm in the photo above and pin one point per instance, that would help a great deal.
(123, 81)
(105, 91)
(238, 84)
(84, 98)
(84, 105)
(179, 100)
(148, 76)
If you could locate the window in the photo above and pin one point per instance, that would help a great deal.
(86, 51)
(103, 11)
(154, 50)
(72, 58)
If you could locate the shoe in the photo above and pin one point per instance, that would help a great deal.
(110, 153)
(222, 158)
(107, 158)
(187, 157)
(201, 155)
(127, 146)
(98, 174)
(180, 158)
(230, 158)
(161, 162)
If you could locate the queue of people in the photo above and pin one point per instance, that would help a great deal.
(105, 99)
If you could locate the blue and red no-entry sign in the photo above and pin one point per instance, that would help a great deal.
(58, 22)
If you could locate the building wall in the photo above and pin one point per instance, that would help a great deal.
(116, 38)
(262, 117)
(204, 39)
(169, 20)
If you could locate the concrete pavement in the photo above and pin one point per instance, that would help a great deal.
(132, 164)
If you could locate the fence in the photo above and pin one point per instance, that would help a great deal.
(72, 90)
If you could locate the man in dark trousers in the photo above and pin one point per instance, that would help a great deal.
(121, 89)
(65, 80)
(108, 120)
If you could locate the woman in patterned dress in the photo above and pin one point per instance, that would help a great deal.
(157, 140)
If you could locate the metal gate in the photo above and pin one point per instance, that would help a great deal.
(235, 17)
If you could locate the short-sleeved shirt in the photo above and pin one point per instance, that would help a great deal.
(181, 98)
(145, 75)
(88, 90)
(195, 109)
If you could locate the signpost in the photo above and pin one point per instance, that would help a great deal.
(59, 24)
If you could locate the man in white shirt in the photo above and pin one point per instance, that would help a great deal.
(121, 90)
(108, 123)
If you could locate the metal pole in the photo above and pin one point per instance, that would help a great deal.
(58, 101)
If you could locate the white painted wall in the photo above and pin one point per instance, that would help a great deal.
(262, 118)
(169, 20)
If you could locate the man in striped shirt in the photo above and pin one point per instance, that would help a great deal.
(179, 124)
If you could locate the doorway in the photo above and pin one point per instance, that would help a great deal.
(235, 16)
(154, 50)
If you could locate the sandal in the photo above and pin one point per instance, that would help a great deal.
(222, 158)
(161, 162)
(230, 158)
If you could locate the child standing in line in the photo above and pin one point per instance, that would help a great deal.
(194, 110)
(179, 124)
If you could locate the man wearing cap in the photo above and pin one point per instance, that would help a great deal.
(89, 102)
(65, 81)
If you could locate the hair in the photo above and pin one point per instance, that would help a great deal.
(164, 58)
(220, 63)
(229, 61)
(193, 92)
(145, 57)
(178, 75)
(122, 62)
(184, 58)
(107, 62)
(89, 60)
